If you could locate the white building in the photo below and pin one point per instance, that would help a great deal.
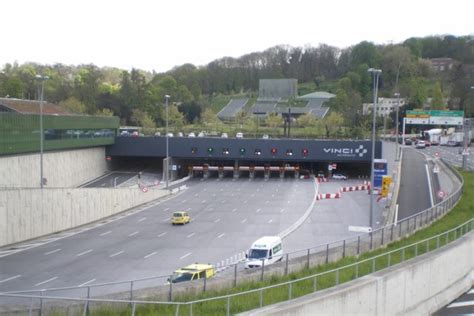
(385, 106)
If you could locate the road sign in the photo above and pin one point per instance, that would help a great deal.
(144, 189)
(329, 167)
(435, 169)
(465, 152)
(157, 182)
(334, 166)
(360, 229)
(437, 154)
(174, 168)
(440, 194)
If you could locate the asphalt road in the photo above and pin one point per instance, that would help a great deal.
(450, 154)
(227, 216)
(414, 194)
(110, 180)
(464, 305)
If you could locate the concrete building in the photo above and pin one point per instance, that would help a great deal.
(441, 64)
(385, 106)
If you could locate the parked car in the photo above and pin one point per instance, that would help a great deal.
(201, 134)
(420, 144)
(224, 135)
(169, 135)
(408, 141)
(339, 176)
(180, 134)
(191, 134)
(265, 136)
(157, 134)
(239, 135)
(195, 271)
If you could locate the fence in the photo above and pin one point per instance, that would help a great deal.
(130, 291)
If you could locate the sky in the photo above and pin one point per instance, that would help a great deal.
(158, 35)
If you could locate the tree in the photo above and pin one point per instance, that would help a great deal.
(417, 94)
(73, 105)
(306, 120)
(105, 112)
(208, 117)
(175, 118)
(332, 123)
(141, 118)
(437, 102)
(13, 87)
(191, 111)
(274, 120)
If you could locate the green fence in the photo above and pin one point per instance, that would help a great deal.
(20, 133)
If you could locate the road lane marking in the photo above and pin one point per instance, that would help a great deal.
(233, 210)
(282, 210)
(52, 251)
(166, 209)
(210, 209)
(252, 195)
(429, 185)
(150, 255)
(11, 278)
(196, 194)
(270, 221)
(266, 202)
(106, 233)
(223, 201)
(85, 283)
(217, 220)
(221, 235)
(289, 202)
(84, 252)
(116, 254)
(46, 281)
(162, 234)
(184, 201)
(245, 202)
(203, 201)
(190, 235)
(258, 210)
(186, 255)
(165, 220)
(142, 219)
(461, 304)
(244, 220)
(133, 234)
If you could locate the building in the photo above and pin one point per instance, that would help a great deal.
(385, 106)
(22, 106)
(441, 64)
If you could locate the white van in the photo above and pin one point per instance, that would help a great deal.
(266, 250)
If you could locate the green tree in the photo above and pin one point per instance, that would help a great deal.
(274, 120)
(208, 117)
(417, 93)
(175, 118)
(105, 112)
(306, 120)
(13, 87)
(437, 102)
(73, 105)
(333, 122)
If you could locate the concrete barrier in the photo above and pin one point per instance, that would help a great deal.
(31, 213)
(417, 287)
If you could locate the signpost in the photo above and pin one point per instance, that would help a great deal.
(441, 194)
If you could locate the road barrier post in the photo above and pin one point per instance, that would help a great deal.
(235, 275)
(391, 233)
(261, 298)
(227, 310)
(263, 269)
(131, 291)
(205, 283)
(358, 245)
(307, 260)
(290, 286)
(286, 265)
(381, 242)
(315, 284)
(170, 294)
(134, 306)
(343, 248)
(327, 253)
(41, 304)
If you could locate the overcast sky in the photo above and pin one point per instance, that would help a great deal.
(160, 34)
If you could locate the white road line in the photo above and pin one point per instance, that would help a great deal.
(210, 209)
(116, 254)
(84, 252)
(133, 234)
(165, 220)
(270, 221)
(429, 184)
(46, 281)
(150, 255)
(282, 210)
(142, 219)
(252, 195)
(217, 220)
(184, 201)
(203, 201)
(162, 234)
(12, 278)
(190, 235)
(471, 291)
(85, 283)
(186, 255)
(461, 304)
(106, 233)
(244, 220)
(221, 235)
(196, 194)
(266, 202)
(223, 201)
(245, 202)
(52, 251)
(258, 210)
(233, 210)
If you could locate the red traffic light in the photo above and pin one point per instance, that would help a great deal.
(305, 152)
(273, 151)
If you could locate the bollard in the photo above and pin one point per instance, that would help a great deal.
(227, 312)
(263, 268)
(358, 244)
(235, 274)
(286, 265)
(170, 294)
(327, 253)
(343, 248)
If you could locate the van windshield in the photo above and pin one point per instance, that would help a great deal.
(258, 253)
(181, 277)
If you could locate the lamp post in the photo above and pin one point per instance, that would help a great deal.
(167, 142)
(42, 79)
(397, 95)
(375, 74)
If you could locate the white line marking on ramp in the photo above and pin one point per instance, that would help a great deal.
(165, 220)
(270, 221)
(221, 235)
(184, 201)
(106, 233)
(190, 235)
(150, 255)
(12, 278)
(186, 255)
(203, 201)
(258, 210)
(461, 304)
(52, 251)
(85, 283)
(116, 254)
(166, 209)
(244, 220)
(429, 185)
(161, 235)
(46, 281)
(83, 253)
(217, 220)
(133, 234)
(282, 210)
(142, 219)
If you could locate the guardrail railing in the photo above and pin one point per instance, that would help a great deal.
(233, 274)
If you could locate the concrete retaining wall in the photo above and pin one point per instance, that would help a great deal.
(30, 213)
(418, 287)
(61, 169)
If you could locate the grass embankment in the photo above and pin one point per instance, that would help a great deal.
(463, 211)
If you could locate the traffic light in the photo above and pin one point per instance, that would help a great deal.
(273, 151)
(210, 150)
(194, 150)
(386, 181)
(242, 151)
(304, 152)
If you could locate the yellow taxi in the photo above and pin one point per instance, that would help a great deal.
(193, 272)
(180, 218)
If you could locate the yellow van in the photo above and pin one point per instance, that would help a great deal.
(180, 218)
(193, 272)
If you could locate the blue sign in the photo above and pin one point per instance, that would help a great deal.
(380, 170)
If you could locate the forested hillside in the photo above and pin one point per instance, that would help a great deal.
(137, 96)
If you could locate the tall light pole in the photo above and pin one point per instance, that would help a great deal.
(42, 79)
(397, 95)
(167, 142)
(375, 74)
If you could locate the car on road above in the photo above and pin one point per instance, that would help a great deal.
(192, 134)
(339, 176)
(420, 144)
(265, 136)
(239, 135)
(192, 272)
(180, 217)
(224, 135)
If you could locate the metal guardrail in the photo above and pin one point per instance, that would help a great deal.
(129, 290)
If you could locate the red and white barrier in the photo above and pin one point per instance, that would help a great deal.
(328, 196)
(321, 179)
(355, 188)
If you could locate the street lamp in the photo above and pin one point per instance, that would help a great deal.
(397, 95)
(167, 141)
(42, 79)
(375, 74)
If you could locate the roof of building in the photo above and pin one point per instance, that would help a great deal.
(23, 106)
(317, 95)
